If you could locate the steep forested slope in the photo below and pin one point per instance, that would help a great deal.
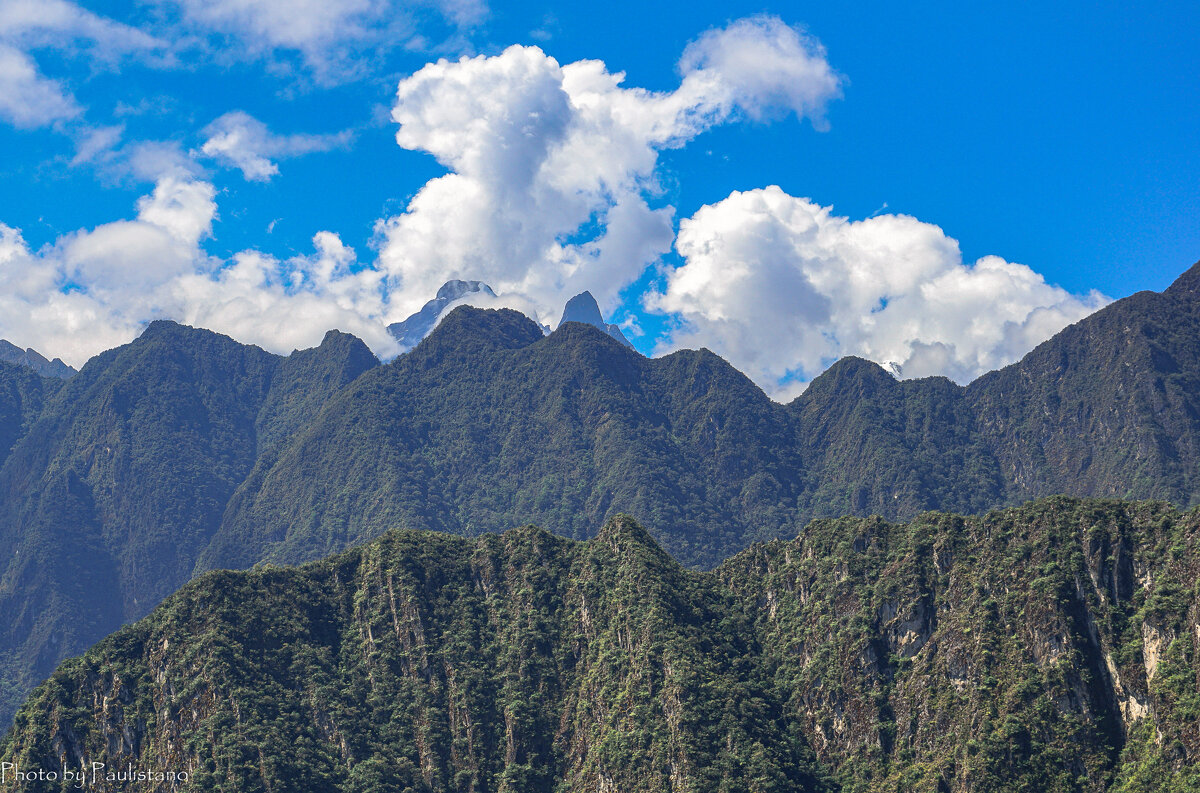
(427, 662)
(185, 451)
(23, 392)
(1108, 407)
(1048, 647)
(1051, 647)
(108, 500)
(487, 425)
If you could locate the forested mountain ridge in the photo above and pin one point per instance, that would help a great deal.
(563, 431)
(1110, 406)
(1049, 647)
(110, 496)
(185, 451)
(486, 422)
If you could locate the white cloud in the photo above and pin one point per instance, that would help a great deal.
(27, 98)
(94, 289)
(285, 305)
(553, 167)
(137, 161)
(332, 38)
(781, 286)
(761, 66)
(241, 141)
(58, 23)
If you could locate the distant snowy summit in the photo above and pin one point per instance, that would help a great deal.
(419, 325)
(34, 360)
(581, 308)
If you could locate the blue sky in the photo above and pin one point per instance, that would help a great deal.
(234, 164)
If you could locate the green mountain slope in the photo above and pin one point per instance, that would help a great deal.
(876, 445)
(185, 451)
(427, 662)
(487, 424)
(22, 394)
(110, 497)
(1108, 407)
(1051, 647)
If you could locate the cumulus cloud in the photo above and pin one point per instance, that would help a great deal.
(241, 141)
(781, 286)
(96, 288)
(553, 167)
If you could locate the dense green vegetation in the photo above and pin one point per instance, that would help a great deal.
(487, 425)
(185, 451)
(1044, 648)
(22, 394)
(1024, 650)
(111, 495)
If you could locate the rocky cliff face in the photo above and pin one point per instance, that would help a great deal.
(583, 308)
(1051, 647)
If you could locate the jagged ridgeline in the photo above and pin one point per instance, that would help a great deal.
(185, 451)
(1051, 647)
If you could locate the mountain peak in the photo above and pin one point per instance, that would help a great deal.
(409, 332)
(34, 360)
(583, 308)
(628, 538)
(455, 288)
(848, 373)
(466, 326)
(1188, 283)
(164, 327)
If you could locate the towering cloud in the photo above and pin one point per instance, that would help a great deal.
(553, 168)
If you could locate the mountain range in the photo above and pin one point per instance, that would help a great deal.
(185, 451)
(1051, 647)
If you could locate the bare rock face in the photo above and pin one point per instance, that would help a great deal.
(583, 308)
